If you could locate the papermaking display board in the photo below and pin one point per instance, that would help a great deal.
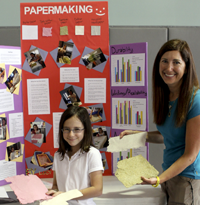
(129, 94)
(12, 156)
(65, 61)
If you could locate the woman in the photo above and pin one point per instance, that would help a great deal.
(176, 108)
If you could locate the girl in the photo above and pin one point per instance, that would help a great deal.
(77, 164)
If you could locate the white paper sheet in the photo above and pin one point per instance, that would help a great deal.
(62, 198)
(16, 125)
(7, 169)
(10, 56)
(127, 142)
(3, 193)
(95, 90)
(95, 30)
(38, 96)
(79, 30)
(7, 102)
(56, 120)
(29, 32)
(69, 74)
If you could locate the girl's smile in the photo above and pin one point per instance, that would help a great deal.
(73, 133)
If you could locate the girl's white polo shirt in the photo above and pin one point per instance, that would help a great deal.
(74, 173)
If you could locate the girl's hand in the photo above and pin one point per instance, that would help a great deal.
(53, 193)
(151, 181)
(127, 132)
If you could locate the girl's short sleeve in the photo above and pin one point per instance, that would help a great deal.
(95, 160)
(195, 109)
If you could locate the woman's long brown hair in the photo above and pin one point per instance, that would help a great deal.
(161, 91)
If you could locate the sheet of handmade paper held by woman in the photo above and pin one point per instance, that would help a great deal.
(130, 170)
(127, 142)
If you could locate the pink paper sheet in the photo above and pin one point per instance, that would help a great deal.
(28, 188)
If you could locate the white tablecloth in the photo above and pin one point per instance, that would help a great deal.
(114, 193)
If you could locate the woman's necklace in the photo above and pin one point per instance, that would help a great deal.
(170, 107)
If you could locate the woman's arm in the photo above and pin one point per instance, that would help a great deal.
(192, 147)
(152, 137)
(96, 187)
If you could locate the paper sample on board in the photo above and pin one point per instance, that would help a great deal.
(62, 199)
(64, 30)
(95, 30)
(29, 32)
(28, 188)
(127, 142)
(129, 171)
(79, 30)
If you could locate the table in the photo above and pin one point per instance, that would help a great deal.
(115, 193)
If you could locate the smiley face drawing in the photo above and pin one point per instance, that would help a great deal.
(100, 12)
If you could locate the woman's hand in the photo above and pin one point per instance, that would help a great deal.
(53, 193)
(127, 132)
(151, 181)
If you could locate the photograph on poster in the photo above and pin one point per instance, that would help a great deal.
(65, 50)
(93, 58)
(35, 59)
(42, 159)
(14, 151)
(3, 127)
(70, 96)
(13, 80)
(100, 137)
(2, 74)
(95, 114)
(38, 132)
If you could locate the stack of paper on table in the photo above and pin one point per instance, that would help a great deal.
(127, 142)
(129, 171)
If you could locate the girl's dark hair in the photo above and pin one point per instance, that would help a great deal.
(82, 114)
(35, 125)
(161, 90)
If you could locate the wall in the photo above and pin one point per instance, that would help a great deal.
(125, 12)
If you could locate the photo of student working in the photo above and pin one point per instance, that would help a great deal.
(94, 58)
(77, 154)
(65, 50)
(14, 151)
(176, 109)
(70, 96)
(95, 114)
(35, 60)
(13, 80)
(2, 73)
(100, 137)
(38, 132)
(3, 127)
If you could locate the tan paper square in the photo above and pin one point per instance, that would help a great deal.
(129, 171)
(63, 30)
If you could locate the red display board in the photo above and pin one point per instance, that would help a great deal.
(63, 42)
